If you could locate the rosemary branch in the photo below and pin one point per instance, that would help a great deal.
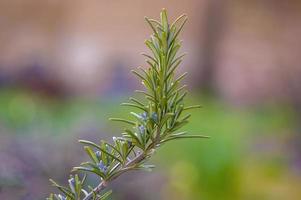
(161, 118)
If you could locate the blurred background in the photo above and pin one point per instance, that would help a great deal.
(65, 68)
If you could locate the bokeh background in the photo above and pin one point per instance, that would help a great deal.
(65, 68)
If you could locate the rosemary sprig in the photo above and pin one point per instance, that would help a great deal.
(157, 120)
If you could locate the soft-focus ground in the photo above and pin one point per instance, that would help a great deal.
(251, 154)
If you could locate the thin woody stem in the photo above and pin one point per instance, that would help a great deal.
(129, 166)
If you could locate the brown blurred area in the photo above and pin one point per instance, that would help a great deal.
(247, 51)
(242, 54)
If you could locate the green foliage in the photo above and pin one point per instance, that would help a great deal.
(157, 117)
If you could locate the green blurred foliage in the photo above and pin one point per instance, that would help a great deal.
(245, 158)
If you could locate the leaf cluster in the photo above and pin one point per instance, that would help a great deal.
(156, 118)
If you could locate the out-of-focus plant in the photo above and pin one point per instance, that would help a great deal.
(161, 115)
